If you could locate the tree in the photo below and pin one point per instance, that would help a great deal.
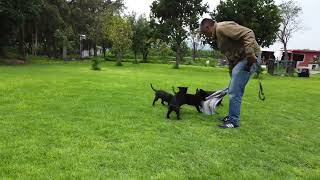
(53, 28)
(173, 19)
(145, 34)
(91, 17)
(55, 25)
(62, 38)
(262, 16)
(183, 49)
(100, 20)
(290, 23)
(135, 35)
(14, 14)
(120, 34)
(197, 43)
(142, 36)
(164, 49)
(8, 30)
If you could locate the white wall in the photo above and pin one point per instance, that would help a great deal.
(316, 67)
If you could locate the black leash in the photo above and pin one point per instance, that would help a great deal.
(262, 97)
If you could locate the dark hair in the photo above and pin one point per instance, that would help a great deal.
(207, 21)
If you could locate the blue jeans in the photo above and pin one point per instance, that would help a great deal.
(239, 80)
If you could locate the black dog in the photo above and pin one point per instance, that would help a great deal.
(204, 94)
(160, 94)
(180, 98)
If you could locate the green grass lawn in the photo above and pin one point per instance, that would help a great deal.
(63, 120)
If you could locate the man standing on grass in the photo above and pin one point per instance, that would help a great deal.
(239, 45)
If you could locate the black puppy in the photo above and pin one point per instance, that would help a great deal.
(180, 98)
(160, 94)
(204, 94)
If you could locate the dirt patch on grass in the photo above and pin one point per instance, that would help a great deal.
(14, 62)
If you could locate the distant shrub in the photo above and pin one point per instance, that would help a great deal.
(175, 66)
(109, 58)
(189, 62)
(213, 63)
(119, 63)
(95, 65)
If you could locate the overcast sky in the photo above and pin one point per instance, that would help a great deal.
(309, 38)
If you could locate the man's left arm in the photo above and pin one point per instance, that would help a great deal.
(249, 43)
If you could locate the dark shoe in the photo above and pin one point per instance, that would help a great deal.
(225, 119)
(228, 124)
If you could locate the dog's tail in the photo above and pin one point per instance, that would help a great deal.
(153, 88)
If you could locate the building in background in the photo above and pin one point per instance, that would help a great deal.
(305, 58)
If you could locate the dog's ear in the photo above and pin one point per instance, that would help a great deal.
(173, 90)
(183, 90)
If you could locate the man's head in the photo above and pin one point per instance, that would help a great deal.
(206, 27)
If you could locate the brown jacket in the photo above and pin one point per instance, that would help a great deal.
(236, 42)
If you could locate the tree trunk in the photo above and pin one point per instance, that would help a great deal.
(119, 59)
(178, 56)
(145, 56)
(288, 66)
(194, 51)
(22, 49)
(45, 47)
(89, 47)
(95, 49)
(35, 41)
(64, 52)
(49, 48)
(2, 52)
(104, 50)
(56, 54)
(286, 55)
(271, 65)
(135, 57)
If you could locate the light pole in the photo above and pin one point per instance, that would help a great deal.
(82, 37)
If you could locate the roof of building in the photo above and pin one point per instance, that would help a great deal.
(303, 51)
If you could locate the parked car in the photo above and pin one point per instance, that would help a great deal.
(303, 72)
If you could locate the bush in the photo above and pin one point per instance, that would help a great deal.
(95, 65)
(119, 63)
(189, 62)
(109, 58)
(175, 66)
(213, 63)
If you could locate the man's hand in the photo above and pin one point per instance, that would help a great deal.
(251, 60)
